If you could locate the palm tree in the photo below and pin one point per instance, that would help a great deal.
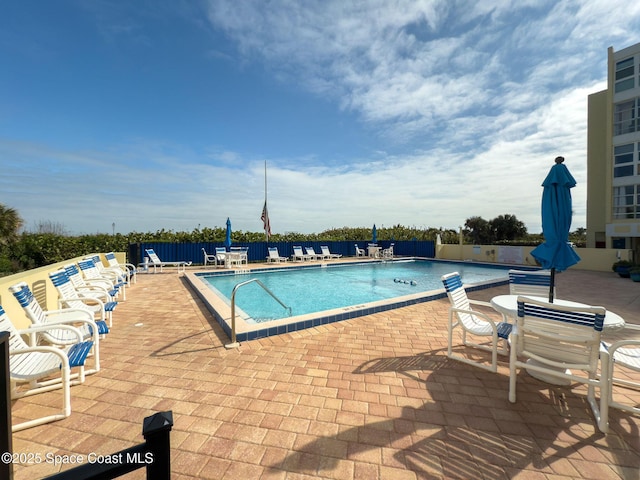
(10, 223)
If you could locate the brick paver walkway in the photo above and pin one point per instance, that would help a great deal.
(371, 398)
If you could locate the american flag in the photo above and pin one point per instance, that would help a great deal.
(265, 220)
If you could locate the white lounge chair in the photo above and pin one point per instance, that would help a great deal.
(156, 262)
(69, 297)
(128, 269)
(473, 322)
(313, 255)
(82, 320)
(327, 253)
(274, 256)
(298, 255)
(625, 359)
(562, 342)
(359, 251)
(38, 369)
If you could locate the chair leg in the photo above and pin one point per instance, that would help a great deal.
(513, 358)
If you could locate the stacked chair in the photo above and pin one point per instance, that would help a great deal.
(62, 346)
(36, 368)
(69, 297)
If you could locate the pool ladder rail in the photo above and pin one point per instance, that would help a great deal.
(234, 343)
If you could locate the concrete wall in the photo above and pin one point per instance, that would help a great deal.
(41, 286)
(599, 259)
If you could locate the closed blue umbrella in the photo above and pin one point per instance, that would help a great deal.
(555, 253)
(227, 240)
(374, 234)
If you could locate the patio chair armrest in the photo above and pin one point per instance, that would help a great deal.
(51, 326)
(481, 303)
(80, 299)
(52, 313)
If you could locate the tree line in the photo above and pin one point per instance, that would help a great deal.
(22, 250)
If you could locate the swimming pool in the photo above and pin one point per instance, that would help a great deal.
(319, 294)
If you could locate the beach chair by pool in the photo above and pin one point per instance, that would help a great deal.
(96, 288)
(128, 269)
(82, 320)
(327, 253)
(388, 252)
(562, 343)
(155, 261)
(69, 297)
(298, 255)
(274, 256)
(359, 251)
(313, 255)
(473, 323)
(119, 277)
(209, 258)
(534, 283)
(37, 369)
(92, 274)
(624, 366)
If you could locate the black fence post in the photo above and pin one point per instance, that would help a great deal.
(156, 431)
(6, 445)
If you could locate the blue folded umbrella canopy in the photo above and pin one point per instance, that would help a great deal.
(555, 253)
(374, 234)
(227, 240)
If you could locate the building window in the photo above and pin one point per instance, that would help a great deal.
(625, 79)
(623, 161)
(624, 117)
(626, 202)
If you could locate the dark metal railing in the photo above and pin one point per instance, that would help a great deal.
(154, 455)
(6, 447)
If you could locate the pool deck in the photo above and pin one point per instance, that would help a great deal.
(369, 398)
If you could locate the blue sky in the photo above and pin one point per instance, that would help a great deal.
(161, 114)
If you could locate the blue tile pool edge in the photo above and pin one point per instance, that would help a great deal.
(267, 331)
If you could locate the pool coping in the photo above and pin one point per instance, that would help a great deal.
(244, 331)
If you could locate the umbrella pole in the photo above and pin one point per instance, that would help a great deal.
(552, 283)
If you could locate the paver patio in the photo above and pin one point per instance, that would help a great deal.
(370, 398)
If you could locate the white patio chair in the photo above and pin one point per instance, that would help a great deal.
(93, 287)
(473, 322)
(79, 318)
(625, 356)
(92, 274)
(562, 342)
(388, 252)
(274, 255)
(533, 283)
(359, 251)
(119, 277)
(39, 369)
(209, 258)
(69, 297)
(128, 269)
(325, 251)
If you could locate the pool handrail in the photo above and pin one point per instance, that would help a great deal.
(234, 343)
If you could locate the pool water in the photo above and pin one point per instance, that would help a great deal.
(315, 289)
